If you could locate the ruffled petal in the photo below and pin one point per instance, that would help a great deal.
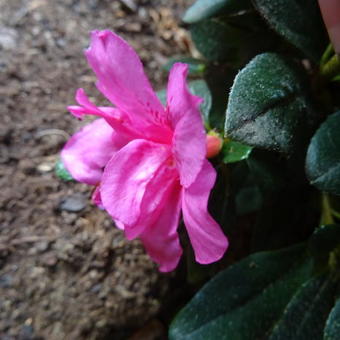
(155, 198)
(121, 77)
(205, 234)
(87, 152)
(161, 239)
(126, 177)
(189, 141)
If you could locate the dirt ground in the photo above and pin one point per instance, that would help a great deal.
(65, 271)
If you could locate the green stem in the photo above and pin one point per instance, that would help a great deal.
(331, 68)
(327, 54)
(326, 214)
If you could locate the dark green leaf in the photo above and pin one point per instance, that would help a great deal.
(232, 38)
(203, 9)
(62, 172)
(234, 151)
(298, 21)
(245, 301)
(267, 105)
(305, 315)
(332, 329)
(196, 66)
(323, 156)
(216, 39)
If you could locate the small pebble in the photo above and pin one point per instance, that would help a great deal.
(74, 203)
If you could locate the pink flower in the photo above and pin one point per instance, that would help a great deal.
(148, 161)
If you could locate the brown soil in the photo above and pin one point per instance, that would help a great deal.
(64, 274)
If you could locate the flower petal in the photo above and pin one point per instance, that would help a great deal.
(126, 177)
(88, 151)
(205, 234)
(96, 198)
(120, 121)
(86, 106)
(155, 198)
(179, 99)
(189, 148)
(161, 239)
(189, 141)
(121, 76)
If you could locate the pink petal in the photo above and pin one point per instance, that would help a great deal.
(205, 234)
(126, 177)
(189, 148)
(86, 106)
(179, 98)
(155, 197)
(121, 76)
(189, 142)
(88, 151)
(161, 239)
(119, 120)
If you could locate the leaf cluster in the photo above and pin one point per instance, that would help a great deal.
(272, 89)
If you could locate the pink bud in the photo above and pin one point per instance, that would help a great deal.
(214, 144)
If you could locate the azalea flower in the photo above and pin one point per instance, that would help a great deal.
(148, 161)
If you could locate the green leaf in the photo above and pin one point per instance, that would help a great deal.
(203, 9)
(246, 300)
(268, 107)
(62, 172)
(198, 88)
(298, 21)
(232, 38)
(323, 156)
(216, 39)
(196, 66)
(332, 329)
(234, 151)
(305, 315)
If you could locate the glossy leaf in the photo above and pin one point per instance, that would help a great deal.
(62, 172)
(246, 300)
(267, 106)
(203, 9)
(234, 151)
(323, 156)
(298, 21)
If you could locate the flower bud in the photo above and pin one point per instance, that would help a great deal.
(214, 144)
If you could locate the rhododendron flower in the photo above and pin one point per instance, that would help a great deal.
(148, 161)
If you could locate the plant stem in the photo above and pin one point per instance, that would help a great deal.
(326, 214)
(331, 68)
